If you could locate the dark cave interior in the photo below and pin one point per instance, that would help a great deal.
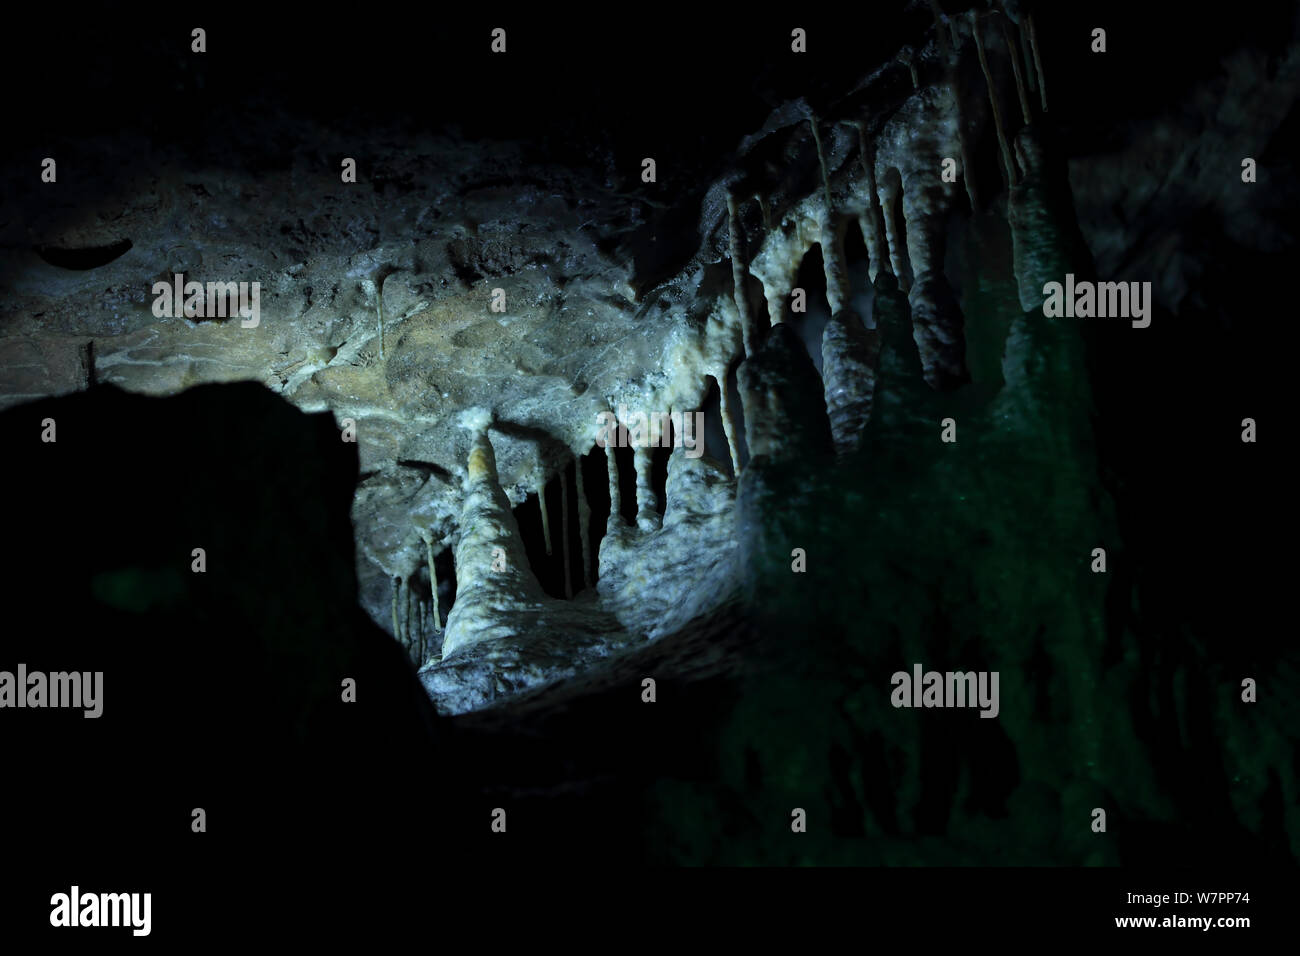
(1120, 690)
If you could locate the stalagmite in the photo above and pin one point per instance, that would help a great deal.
(1015, 68)
(894, 321)
(901, 393)
(869, 219)
(1007, 161)
(785, 405)
(433, 581)
(1038, 63)
(938, 328)
(615, 496)
(647, 502)
(728, 426)
(564, 532)
(740, 275)
(849, 353)
(1045, 239)
(492, 573)
(546, 518)
(584, 520)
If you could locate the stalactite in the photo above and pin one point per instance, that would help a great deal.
(397, 628)
(740, 275)
(837, 282)
(584, 520)
(728, 426)
(1038, 62)
(406, 619)
(821, 162)
(869, 219)
(564, 531)
(940, 16)
(1008, 163)
(967, 179)
(777, 283)
(766, 210)
(546, 518)
(923, 205)
(419, 633)
(647, 502)
(615, 496)
(1031, 75)
(940, 35)
(834, 264)
(776, 264)
(433, 582)
(1014, 53)
(951, 56)
(849, 355)
(938, 323)
(889, 192)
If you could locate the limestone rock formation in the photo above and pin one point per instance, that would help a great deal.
(901, 459)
